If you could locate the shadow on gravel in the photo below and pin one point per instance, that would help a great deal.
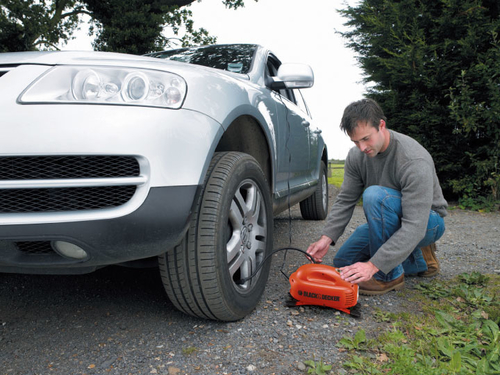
(116, 287)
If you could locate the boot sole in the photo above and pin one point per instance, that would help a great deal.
(428, 273)
(380, 292)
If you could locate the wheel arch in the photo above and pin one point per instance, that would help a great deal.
(324, 155)
(245, 134)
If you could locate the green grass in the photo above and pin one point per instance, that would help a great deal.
(336, 174)
(456, 331)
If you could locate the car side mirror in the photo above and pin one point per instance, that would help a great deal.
(293, 76)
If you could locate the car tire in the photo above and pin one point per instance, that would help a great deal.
(316, 206)
(228, 239)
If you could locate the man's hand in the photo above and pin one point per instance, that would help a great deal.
(357, 272)
(319, 248)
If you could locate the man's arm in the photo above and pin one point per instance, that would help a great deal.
(318, 249)
(357, 272)
(341, 212)
(350, 192)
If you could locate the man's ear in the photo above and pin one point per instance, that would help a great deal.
(382, 124)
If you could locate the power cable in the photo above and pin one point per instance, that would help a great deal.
(245, 279)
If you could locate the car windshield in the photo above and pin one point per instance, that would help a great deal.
(231, 57)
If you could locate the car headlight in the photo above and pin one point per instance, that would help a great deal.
(107, 85)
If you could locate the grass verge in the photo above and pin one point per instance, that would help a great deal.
(456, 332)
(336, 174)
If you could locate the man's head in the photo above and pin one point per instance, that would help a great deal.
(364, 110)
(364, 123)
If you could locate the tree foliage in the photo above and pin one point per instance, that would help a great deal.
(135, 26)
(30, 24)
(434, 66)
(131, 26)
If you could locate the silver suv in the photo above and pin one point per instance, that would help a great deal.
(182, 157)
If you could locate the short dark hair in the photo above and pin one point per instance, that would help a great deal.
(364, 110)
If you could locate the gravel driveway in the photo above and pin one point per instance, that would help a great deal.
(119, 321)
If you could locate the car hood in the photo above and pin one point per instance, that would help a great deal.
(105, 59)
(63, 57)
(69, 57)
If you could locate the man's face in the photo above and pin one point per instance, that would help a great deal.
(370, 140)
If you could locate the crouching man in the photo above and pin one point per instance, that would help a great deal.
(402, 201)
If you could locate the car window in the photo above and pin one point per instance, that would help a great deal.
(272, 68)
(231, 57)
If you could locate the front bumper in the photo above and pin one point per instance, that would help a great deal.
(155, 227)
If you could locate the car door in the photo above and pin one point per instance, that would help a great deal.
(314, 135)
(293, 138)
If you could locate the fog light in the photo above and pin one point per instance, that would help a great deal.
(70, 250)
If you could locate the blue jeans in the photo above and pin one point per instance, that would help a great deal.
(382, 207)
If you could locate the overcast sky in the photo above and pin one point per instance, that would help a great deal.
(296, 31)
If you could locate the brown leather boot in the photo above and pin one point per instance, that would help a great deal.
(374, 287)
(429, 253)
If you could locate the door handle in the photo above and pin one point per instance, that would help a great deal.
(306, 123)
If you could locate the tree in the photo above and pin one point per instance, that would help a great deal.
(30, 24)
(435, 69)
(131, 26)
(135, 26)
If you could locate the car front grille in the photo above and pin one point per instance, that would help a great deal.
(30, 184)
(64, 199)
(34, 247)
(51, 167)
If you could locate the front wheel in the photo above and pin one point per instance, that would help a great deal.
(316, 206)
(230, 234)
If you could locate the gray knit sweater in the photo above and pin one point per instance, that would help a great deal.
(404, 166)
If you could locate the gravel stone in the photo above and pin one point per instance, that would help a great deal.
(119, 320)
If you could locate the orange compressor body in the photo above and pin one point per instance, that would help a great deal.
(320, 284)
